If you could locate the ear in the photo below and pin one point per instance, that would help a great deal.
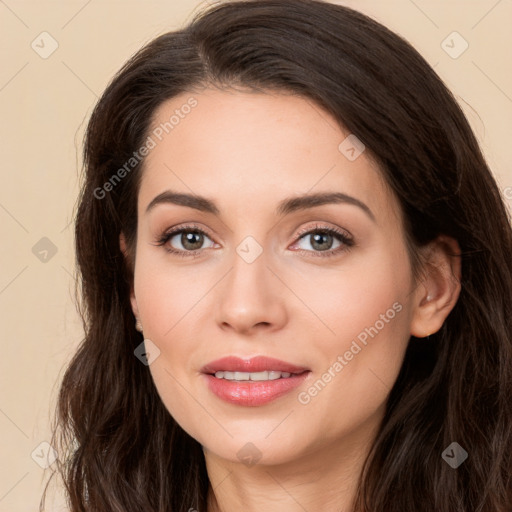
(124, 250)
(439, 286)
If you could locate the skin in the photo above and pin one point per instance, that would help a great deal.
(247, 152)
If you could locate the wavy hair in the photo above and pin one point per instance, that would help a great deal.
(111, 425)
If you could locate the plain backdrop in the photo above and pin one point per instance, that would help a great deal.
(57, 57)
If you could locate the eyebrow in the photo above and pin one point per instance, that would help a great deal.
(285, 207)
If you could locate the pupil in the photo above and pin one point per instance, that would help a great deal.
(322, 239)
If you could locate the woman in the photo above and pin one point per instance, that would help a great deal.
(296, 279)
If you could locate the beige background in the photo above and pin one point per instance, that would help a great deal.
(45, 103)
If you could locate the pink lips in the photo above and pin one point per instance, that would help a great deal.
(252, 393)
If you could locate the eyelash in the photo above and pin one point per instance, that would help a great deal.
(342, 236)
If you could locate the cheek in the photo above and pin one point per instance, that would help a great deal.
(368, 307)
(167, 295)
(366, 352)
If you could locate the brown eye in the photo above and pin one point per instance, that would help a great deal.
(185, 241)
(323, 241)
(191, 241)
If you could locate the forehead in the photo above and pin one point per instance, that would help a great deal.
(252, 149)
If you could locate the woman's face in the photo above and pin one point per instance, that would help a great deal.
(293, 249)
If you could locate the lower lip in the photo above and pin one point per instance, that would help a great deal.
(253, 393)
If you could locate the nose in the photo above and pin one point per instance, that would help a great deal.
(250, 298)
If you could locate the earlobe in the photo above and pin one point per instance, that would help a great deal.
(439, 288)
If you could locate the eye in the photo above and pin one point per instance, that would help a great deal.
(184, 241)
(323, 241)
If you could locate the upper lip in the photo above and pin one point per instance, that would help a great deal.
(254, 364)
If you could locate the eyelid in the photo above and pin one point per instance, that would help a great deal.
(185, 227)
(322, 227)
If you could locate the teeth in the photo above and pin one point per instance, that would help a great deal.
(241, 376)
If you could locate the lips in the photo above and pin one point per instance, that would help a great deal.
(253, 365)
(232, 384)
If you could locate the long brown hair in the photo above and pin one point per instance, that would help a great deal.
(120, 448)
